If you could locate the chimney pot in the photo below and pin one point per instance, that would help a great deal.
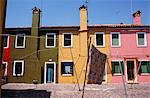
(137, 18)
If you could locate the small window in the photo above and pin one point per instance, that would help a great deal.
(144, 67)
(67, 68)
(141, 39)
(4, 68)
(20, 41)
(6, 41)
(67, 39)
(99, 39)
(50, 40)
(116, 67)
(18, 68)
(115, 39)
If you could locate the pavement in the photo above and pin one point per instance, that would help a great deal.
(91, 90)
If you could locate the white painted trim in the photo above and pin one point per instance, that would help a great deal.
(116, 60)
(143, 60)
(45, 69)
(54, 40)
(135, 71)
(66, 75)
(5, 73)
(63, 40)
(103, 39)
(24, 40)
(22, 68)
(119, 39)
(145, 39)
(7, 40)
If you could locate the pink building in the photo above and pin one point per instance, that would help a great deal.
(130, 48)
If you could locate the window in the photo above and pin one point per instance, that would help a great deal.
(99, 39)
(18, 68)
(67, 68)
(20, 41)
(67, 40)
(4, 68)
(144, 67)
(50, 40)
(6, 41)
(116, 67)
(141, 39)
(115, 39)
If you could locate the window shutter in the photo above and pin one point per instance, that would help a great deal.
(139, 65)
(122, 65)
(113, 67)
(148, 66)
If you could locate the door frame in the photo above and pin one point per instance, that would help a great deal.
(45, 69)
(135, 71)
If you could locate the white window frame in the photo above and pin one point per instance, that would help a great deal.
(24, 40)
(54, 40)
(7, 41)
(22, 61)
(145, 40)
(117, 74)
(103, 39)
(45, 70)
(63, 40)
(72, 65)
(5, 73)
(118, 39)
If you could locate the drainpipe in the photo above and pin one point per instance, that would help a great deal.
(2, 26)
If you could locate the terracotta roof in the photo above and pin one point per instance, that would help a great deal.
(90, 26)
(117, 25)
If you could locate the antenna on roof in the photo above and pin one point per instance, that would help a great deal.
(41, 13)
(86, 5)
(131, 10)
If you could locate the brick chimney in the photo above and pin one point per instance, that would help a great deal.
(83, 18)
(137, 18)
(35, 21)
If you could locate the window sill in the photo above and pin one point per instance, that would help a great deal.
(5, 47)
(141, 46)
(67, 46)
(66, 75)
(18, 75)
(50, 47)
(117, 74)
(145, 74)
(19, 47)
(115, 46)
(98, 46)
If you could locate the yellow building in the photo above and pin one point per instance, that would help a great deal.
(73, 49)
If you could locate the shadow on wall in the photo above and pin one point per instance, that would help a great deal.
(25, 94)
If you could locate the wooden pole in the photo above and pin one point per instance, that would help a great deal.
(2, 26)
(86, 69)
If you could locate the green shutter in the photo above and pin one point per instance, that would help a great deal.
(148, 66)
(113, 68)
(122, 65)
(139, 65)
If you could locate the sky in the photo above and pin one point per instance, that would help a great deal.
(66, 12)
